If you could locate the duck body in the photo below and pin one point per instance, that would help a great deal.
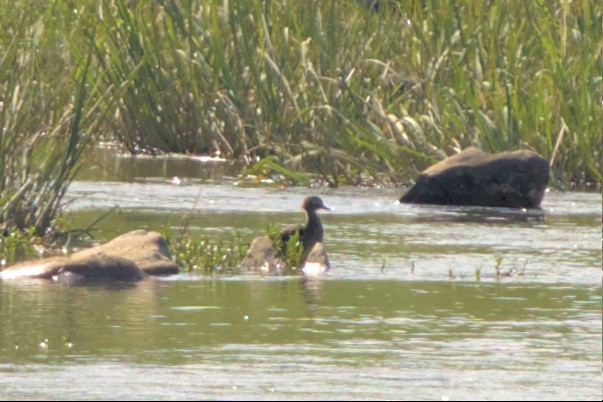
(312, 231)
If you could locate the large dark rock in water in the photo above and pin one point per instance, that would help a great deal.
(130, 257)
(510, 179)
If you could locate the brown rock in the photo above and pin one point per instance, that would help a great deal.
(509, 179)
(262, 257)
(317, 261)
(129, 257)
(105, 266)
(35, 269)
(147, 250)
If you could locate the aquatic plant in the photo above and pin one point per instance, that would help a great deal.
(478, 273)
(498, 260)
(202, 253)
(269, 167)
(16, 246)
(211, 256)
(291, 252)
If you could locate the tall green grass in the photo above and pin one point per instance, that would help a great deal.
(332, 88)
(47, 113)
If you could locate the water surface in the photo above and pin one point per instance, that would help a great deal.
(422, 302)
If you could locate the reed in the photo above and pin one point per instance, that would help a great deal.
(44, 109)
(353, 95)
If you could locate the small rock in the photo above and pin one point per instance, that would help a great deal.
(262, 257)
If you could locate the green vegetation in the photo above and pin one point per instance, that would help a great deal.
(224, 256)
(292, 252)
(332, 88)
(47, 116)
(498, 259)
(16, 246)
(201, 253)
(512, 271)
(344, 92)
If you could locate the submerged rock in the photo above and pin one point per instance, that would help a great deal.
(264, 258)
(100, 267)
(127, 258)
(509, 179)
(45, 268)
(317, 261)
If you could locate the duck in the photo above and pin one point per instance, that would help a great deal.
(311, 232)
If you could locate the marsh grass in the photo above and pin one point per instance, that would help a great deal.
(47, 114)
(349, 94)
(352, 95)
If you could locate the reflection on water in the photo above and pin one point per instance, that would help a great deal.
(311, 288)
(437, 214)
(107, 164)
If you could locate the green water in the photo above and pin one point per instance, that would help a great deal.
(413, 307)
(237, 338)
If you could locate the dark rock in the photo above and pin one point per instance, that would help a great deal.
(127, 258)
(510, 179)
(103, 266)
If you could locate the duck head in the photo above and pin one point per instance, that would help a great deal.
(313, 203)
